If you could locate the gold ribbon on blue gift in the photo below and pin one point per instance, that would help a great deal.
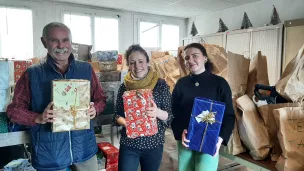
(209, 119)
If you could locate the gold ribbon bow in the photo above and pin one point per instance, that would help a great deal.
(208, 118)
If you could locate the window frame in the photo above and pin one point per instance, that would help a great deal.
(33, 11)
(93, 13)
(138, 17)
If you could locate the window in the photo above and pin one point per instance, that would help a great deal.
(105, 31)
(16, 33)
(149, 34)
(170, 37)
(158, 36)
(106, 34)
(80, 26)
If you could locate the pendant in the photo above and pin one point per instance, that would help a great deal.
(196, 84)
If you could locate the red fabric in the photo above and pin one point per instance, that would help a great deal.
(19, 110)
(137, 122)
(111, 154)
(20, 67)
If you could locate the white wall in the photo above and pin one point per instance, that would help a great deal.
(258, 12)
(45, 12)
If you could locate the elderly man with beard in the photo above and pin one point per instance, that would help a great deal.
(32, 106)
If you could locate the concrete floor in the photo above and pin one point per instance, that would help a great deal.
(169, 160)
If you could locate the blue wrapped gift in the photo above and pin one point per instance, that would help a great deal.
(205, 124)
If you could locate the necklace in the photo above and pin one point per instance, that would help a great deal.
(196, 84)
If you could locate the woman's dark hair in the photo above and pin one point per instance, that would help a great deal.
(208, 64)
(135, 48)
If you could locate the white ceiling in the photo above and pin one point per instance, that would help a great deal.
(177, 8)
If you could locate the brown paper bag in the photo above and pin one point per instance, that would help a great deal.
(171, 71)
(291, 85)
(267, 115)
(224, 74)
(217, 58)
(290, 121)
(252, 130)
(238, 68)
(155, 65)
(181, 62)
(216, 55)
(258, 73)
(235, 145)
(155, 54)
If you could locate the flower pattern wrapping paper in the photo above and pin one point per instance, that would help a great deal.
(20, 67)
(137, 122)
(71, 102)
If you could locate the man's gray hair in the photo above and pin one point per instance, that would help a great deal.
(49, 26)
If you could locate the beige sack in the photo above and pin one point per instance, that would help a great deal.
(155, 54)
(258, 73)
(266, 112)
(235, 145)
(252, 130)
(216, 55)
(238, 68)
(291, 84)
(217, 58)
(181, 62)
(290, 123)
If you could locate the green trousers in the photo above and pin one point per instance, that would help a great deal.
(189, 160)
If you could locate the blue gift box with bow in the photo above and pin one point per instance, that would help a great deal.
(205, 124)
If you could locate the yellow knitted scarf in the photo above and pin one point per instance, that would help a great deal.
(148, 82)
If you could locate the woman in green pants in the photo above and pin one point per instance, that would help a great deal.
(200, 83)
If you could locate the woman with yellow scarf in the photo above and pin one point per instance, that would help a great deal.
(146, 150)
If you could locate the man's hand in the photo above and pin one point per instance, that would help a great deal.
(218, 146)
(47, 115)
(184, 140)
(92, 111)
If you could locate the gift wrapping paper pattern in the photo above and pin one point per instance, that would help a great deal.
(205, 124)
(5, 98)
(6, 74)
(137, 122)
(111, 154)
(3, 122)
(71, 102)
(110, 55)
(20, 67)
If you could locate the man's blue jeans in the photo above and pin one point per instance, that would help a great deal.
(149, 159)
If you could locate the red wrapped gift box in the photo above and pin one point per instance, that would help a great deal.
(112, 167)
(111, 154)
(119, 59)
(137, 122)
(20, 66)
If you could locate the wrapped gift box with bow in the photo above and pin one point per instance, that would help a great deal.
(111, 154)
(71, 102)
(137, 122)
(205, 124)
